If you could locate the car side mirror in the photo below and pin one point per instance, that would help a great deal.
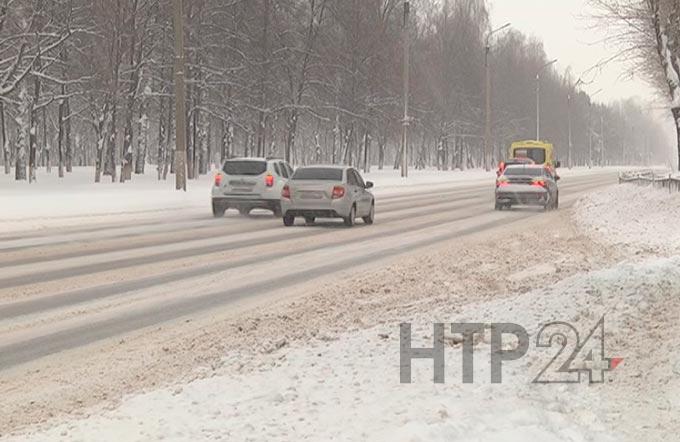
(369, 184)
(557, 178)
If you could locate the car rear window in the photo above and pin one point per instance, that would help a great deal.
(238, 167)
(523, 171)
(536, 154)
(318, 173)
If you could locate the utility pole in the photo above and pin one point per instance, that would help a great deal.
(538, 98)
(602, 156)
(590, 129)
(180, 97)
(571, 144)
(487, 127)
(406, 121)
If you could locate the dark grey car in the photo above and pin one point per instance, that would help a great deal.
(527, 185)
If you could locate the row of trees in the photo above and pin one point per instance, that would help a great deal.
(647, 35)
(90, 82)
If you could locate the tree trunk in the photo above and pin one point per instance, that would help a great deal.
(169, 148)
(367, 152)
(60, 137)
(142, 140)
(23, 128)
(292, 132)
(110, 163)
(160, 156)
(5, 141)
(68, 150)
(100, 159)
(46, 147)
(676, 120)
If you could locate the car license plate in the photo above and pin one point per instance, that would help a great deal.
(311, 195)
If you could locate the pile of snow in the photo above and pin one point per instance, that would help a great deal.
(643, 218)
(349, 389)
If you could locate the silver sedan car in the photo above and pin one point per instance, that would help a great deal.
(327, 192)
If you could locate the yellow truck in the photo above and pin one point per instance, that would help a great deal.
(538, 151)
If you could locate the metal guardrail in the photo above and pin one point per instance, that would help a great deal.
(651, 178)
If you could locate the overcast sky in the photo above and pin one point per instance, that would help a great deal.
(563, 26)
(568, 35)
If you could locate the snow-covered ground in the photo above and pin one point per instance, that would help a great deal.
(347, 387)
(641, 217)
(76, 199)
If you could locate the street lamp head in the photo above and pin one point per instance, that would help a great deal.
(544, 67)
(488, 36)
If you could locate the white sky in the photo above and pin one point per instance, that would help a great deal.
(563, 26)
(568, 34)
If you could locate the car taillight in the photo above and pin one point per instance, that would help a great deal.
(285, 193)
(502, 183)
(218, 180)
(269, 180)
(338, 192)
(538, 183)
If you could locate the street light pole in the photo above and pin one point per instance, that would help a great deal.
(538, 98)
(590, 129)
(487, 126)
(571, 144)
(405, 122)
(180, 104)
(602, 156)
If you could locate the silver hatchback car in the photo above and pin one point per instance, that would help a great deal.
(327, 192)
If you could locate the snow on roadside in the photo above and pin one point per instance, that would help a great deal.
(643, 218)
(348, 389)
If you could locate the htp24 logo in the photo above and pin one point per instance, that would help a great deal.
(572, 360)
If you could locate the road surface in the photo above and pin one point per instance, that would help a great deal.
(62, 289)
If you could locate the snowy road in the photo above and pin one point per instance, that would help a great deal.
(62, 289)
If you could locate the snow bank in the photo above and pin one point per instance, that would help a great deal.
(643, 218)
(348, 389)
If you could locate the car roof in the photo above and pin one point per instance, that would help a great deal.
(525, 166)
(248, 159)
(324, 166)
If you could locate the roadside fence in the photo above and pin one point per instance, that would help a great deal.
(650, 177)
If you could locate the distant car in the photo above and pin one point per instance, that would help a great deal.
(532, 185)
(327, 192)
(250, 183)
(512, 162)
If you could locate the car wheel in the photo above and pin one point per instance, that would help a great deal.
(288, 220)
(218, 210)
(371, 216)
(309, 219)
(349, 221)
(244, 211)
(498, 206)
(557, 202)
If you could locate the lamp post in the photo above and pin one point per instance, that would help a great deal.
(590, 129)
(538, 97)
(406, 121)
(180, 104)
(487, 126)
(571, 145)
